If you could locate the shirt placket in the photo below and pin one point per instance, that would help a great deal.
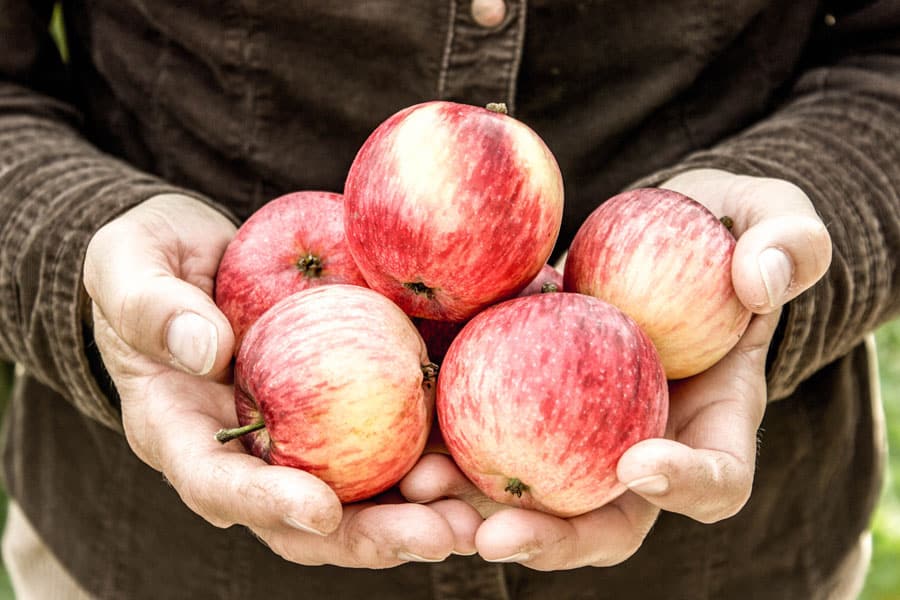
(482, 53)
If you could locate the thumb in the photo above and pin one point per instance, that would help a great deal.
(150, 273)
(779, 257)
(783, 248)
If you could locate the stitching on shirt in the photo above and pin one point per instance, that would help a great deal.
(162, 66)
(448, 48)
(512, 73)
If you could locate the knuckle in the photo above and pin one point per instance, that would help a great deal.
(195, 493)
(625, 549)
(819, 240)
(732, 500)
(361, 548)
(130, 319)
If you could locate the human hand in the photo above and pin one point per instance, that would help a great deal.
(167, 347)
(704, 468)
(603, 537)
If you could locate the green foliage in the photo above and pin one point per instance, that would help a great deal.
(58, 32)
(883, 581)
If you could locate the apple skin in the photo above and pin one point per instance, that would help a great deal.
(547, 280)
(438, 335)
(291, 243)
(343, 383)
(550, 390)
(451, 208)
(665, 260)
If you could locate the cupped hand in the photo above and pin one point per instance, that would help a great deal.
(167, 348)
(603, 537)
(704, 467)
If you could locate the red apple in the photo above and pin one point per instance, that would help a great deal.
(291, 243)
(547, 280)
(335, 380)
(450, 208)
(665, 260)
(438, 335)
(540, 396)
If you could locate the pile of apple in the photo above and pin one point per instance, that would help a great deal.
(437, 252)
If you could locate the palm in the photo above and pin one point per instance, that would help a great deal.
(144, 272)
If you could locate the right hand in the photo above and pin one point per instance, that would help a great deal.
(168, 349)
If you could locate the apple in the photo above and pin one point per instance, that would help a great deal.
(540, 396)
(665, 260)
(291, 243)
(438, 335)
(335, 380)
(547, 280)
(450, 208)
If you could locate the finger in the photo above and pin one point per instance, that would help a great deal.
(706, 485)
(783, 247)
(707, 471)
(436, 476)
(152, 279)
(464, 521)
(603, 537)
(172, 428)
(370, 536)
(779, 258)
(227, 486)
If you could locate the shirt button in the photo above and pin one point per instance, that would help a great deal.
(488, 13)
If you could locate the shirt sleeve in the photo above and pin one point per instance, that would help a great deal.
(56, 190)
(836, 137)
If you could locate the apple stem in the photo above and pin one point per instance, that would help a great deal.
(549, 287)
(310, 265)
(515, 487)
(226, 435)
(727, 221)
(430, 370)
(497, 107)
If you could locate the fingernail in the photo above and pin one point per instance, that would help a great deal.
(652, 484)
(410, 557)
(518, 557)
(292, 522)
(776, 271)
(192, 342)
(472, 553)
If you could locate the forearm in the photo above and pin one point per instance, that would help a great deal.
(56, 190)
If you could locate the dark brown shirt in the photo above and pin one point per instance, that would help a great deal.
(238, 102)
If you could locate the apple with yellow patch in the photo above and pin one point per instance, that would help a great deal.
(335, 380)
(665, 260)
(450, 208)
(540, 396)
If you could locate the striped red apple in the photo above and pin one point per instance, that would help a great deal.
(665, 260)
(451, 208)
(291, 243)
(540, 396)
(335, 380)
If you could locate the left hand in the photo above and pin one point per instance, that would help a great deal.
(704, 467)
